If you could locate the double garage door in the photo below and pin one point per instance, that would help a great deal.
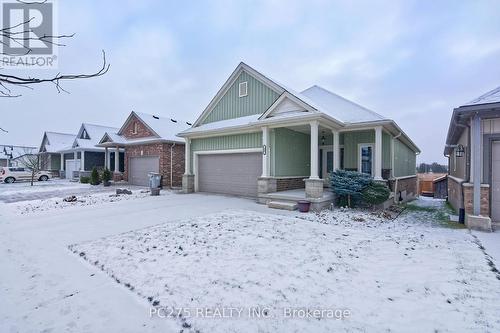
(139, 167)
(234, 174)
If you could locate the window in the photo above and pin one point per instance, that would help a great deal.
(134, 128)
(365, 158)
(342, 158)
(243, 89)
(85, 135)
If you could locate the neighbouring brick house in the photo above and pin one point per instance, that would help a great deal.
(473, 151)
(150, 145)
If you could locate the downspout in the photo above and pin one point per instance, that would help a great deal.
(393, 174)
(171, 164)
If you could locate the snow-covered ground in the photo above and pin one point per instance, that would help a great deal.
(213, 252)
(375, 273)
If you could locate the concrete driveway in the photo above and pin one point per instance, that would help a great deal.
(45, 288)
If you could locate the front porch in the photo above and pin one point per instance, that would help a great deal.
(298, 159)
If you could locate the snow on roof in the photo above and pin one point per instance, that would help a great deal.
(166, 128)
(338, 107)
(58, 141)
(95, 132)
(224, 124)
(10, 152)
(492, 96)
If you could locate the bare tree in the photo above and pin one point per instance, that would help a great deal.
(31, 162)
(19, 38)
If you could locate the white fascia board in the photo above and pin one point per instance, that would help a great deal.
(229, 82)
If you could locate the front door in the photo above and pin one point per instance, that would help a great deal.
(365, 158)
(326, 163)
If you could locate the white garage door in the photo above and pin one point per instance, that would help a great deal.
(234, 174)
(495, 181)
(139, 167)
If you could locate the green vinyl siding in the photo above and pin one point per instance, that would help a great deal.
(386, 151)
(351, 140)
(259, 99)
(237, 141)
(404, 160)
(290, 153)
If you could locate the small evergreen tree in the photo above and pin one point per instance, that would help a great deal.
(106, 175)
(95, 179)
(375, 193)
(349, 185)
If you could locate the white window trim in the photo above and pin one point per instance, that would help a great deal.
(361, 145)
(246, 89)
(218, 152)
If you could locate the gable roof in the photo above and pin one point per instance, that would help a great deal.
(12, 152)
(162, 128)
(339, 107)
(95, 132)
(56, 141)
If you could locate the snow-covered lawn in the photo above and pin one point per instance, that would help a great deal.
(378, 274)
(32, 207)
(50, 185)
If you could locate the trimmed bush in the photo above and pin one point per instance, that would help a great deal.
(375, 193)
(95, 179)
(84, 180)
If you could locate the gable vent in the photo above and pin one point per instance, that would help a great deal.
(243, 89)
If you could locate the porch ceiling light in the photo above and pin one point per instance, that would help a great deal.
(460, 151)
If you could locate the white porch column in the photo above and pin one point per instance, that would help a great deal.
(82, 160)
(336, 150)
(265, 152)
(61, 168)
(476, 163)
(106, 158)
(117, 159)
(378, 153)
(314, 149)
(187, 157)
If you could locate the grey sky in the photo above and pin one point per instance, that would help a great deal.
(412, 61)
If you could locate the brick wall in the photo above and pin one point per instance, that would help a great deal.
(142, 130)
(163, 151)
(285, 184)
(407, 184)
(469, 199)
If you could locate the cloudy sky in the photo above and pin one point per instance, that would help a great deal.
(412, 61)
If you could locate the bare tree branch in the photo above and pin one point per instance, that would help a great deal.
(26, 35)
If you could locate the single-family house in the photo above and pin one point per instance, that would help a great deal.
(259, 138)
(151, 145)
(473, 151)
(52, 143)
(83, 154)
(11, 155)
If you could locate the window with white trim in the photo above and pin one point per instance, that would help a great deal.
(243, 89)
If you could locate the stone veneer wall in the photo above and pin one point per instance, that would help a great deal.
(469, 199)
(455, 193)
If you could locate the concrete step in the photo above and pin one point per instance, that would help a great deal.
(286, 205)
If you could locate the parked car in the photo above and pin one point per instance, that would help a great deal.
(12, 174)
